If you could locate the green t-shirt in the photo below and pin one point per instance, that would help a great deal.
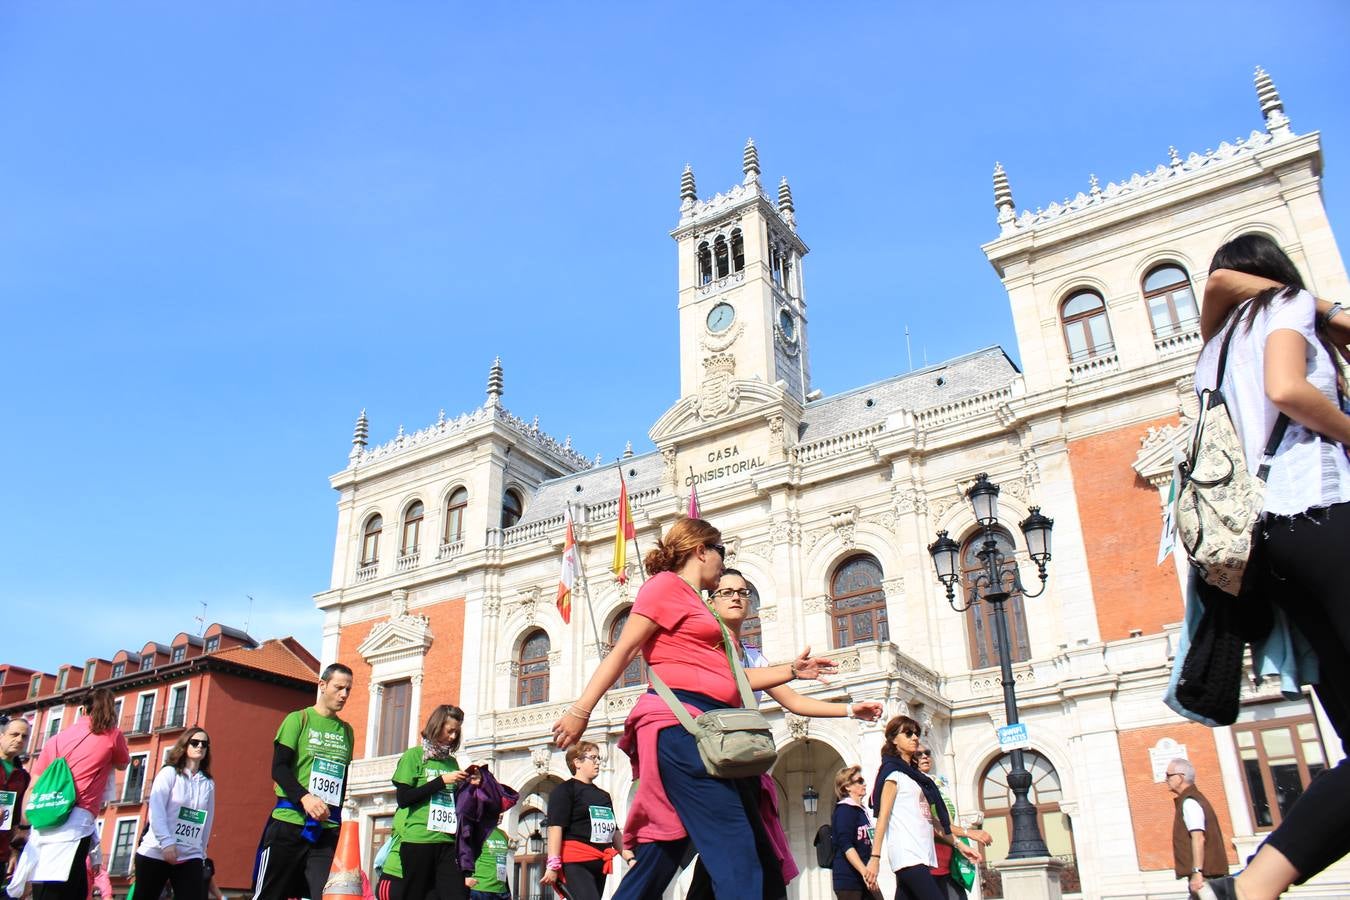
(434, 820)
(393, 863)
(9, 766)
(323, 751)
(490, 870)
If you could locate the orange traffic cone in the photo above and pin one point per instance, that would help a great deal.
(344, 878)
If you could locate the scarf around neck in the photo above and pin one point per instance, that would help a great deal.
(435, 749)
(892, 764)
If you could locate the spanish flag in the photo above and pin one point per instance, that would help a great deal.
(623, 533)
(569, 569)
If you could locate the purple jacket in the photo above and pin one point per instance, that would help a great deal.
(478, 806)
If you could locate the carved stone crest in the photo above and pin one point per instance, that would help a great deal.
(717, 395)
(798, 727)
(540, 756)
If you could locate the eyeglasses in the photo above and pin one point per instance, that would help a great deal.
(197, 742)
(909, 732)
(728, 593)
(721, 550)
(1173, 775)
(920, 754)
(591, 757)
(858, 780)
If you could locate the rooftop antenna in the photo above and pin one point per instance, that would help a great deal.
(925, 356)
(201, 619)
(249, 617)
(909, 352)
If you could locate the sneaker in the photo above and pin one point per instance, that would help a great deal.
(1218, 889)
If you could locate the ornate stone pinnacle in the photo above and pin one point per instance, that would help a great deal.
(688, 192)
(1094, 186)
(360, 433)
(750, 162)
(1173, 157)
(1272, 107)
(785, 197)
(494, 383)
(627, 449)
(1002, 190)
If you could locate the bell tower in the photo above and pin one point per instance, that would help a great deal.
(741, 294)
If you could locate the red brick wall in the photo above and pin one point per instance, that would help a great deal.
(1121, 520)
(1151, 807)
(441, 668)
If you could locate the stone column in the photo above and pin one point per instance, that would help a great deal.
(1035, 878)
(415, 711)
(373, 717)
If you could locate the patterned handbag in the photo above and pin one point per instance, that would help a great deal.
(1220, 501)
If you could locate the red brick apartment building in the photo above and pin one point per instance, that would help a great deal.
(223, 681)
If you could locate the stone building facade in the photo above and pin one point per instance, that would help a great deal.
(449, 539)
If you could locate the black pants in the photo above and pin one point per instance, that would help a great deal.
(855, 895)
(432, 870)
(585, 881)
(76, 885)
(289, 863)
(1306, 557)
(189, 882)
(390, 887)
(916, 883)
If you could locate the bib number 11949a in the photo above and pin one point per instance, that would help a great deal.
(325, 780)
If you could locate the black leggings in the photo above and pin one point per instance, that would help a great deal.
(916, 883)
(585, 881)
(189, 883)
(432, 870)
(1305, 554)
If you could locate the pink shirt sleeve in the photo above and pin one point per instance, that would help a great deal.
(121, 755)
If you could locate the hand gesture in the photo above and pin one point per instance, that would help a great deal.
(968, 852)
(449, 778)
(550, 877)
(567, 730)
(983, 838)
(811, 668)
(868, 710)
(315, 808)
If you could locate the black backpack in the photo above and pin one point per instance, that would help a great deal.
(824, 844)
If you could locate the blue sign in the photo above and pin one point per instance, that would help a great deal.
(1013, 737)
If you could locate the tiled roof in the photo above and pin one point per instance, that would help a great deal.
(272, 656)
(594, 486)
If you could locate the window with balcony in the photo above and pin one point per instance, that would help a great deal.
(857, 602)
(454, 515)
(412, 528)
(123, 848)
(176, 717)
(395, 708)
(1279, 756)
(145, 714)
(370, 540)
(981, 627)
(117, 712)
(1171, 302)
(512, 508)
(636, 673)
(54, 717)
(1087, 333)
(532, 667)
(133, 786)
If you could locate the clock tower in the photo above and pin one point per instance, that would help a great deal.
(741, 298)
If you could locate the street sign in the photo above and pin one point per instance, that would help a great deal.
(1013, 737)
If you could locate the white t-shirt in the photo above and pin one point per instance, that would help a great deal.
(1192, 814)
(909, 834)
(1308, 471)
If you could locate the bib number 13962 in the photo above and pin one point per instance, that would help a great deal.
(325, 780)
(442, 816)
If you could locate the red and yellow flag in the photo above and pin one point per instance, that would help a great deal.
(569, 570)
(623, 533)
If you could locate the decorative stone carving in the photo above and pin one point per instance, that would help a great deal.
(528, 600)
(798, 727)
(845, 525)
(1153, 462)
(398, 603)
(731, 544)
(668, 455)
(401, 637)
(508, 669)
(718, 394)
(786, 530)
(941, 505)
(768, 613)
(911, 500)
(816, 604)
(539, 756)
(894, 587)
(716, 343)
(554, 658)
(492, 604)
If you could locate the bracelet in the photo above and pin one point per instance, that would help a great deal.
(792, 667)
(1325, 318)
(554, 864)
(848, 711)
(578, 712)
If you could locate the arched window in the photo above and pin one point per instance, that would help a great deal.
(532, 680)
(785, 280)
(737, 250)
(511, 508)
(858, 604)
(370, 540)
(705, 270)
(776, 265)
(720, 256)
(412, 528)
(750, 628)
(996, 800)
(1171, 302)
(1086, 330)
(636, 673)
(454, 514)
(980, 624)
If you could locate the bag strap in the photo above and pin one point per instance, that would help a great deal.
(737, 671)
(1281, 422)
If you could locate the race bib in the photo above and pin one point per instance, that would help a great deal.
(325, 780)
(602, 825)
(871, 834)
(8, 799)
(442, 817)
(188, 828)
(501, 867)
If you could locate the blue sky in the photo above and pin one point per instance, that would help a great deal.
(225, 228)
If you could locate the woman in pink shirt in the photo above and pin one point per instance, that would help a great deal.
(677, 800)
(93, 746)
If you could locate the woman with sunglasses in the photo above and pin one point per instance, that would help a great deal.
(583, 834)
(182, 810)
(677, 800)
(853, 833)
(904, 800)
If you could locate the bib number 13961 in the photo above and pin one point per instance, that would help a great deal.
(325, 780)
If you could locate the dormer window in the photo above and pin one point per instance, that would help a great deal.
(212, 644)
(89, 672)
(34, 686)
(147, 662)
(180, 653)
(119, 669)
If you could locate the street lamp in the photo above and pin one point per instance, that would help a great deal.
(990, 584)
(535, 842)
(810, 796)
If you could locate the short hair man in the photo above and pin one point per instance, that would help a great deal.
(13, 785)
(310, 756)
(1198, 851)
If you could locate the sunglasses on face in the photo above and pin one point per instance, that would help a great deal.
(908, 733)
(858, 780)
(728, 593)
(920, 754)
(198, 742)
(721, 550)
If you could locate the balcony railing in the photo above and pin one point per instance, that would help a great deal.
(367, 571)
(408, 561)
(450, 549)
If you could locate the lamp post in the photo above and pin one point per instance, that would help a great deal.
(810, 796)
(994, 584)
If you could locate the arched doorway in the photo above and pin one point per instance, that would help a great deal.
(803, 764)
(996, 800)
(527, 833)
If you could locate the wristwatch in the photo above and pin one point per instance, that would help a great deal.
(1197, 871)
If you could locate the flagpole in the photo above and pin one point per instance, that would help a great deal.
(693, 491)
(585, 585)
(618, 464)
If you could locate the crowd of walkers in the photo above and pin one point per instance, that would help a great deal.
(1270, 346)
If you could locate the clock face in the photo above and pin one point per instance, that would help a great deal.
(720, 318)
(787, 324)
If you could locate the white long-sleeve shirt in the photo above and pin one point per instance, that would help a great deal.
(182, 809)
